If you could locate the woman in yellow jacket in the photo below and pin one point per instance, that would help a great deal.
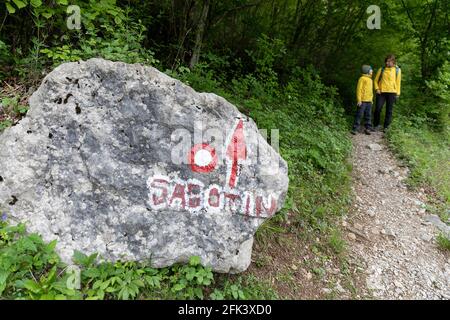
(387, 86)
(364, 98)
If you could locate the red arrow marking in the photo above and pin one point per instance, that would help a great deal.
(236, 151)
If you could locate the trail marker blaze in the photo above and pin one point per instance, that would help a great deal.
(236, 151)
(202, 158)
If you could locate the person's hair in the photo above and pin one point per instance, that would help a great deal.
(389, 57)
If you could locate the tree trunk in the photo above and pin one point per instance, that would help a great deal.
(199, 35)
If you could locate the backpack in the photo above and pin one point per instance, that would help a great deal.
(397, 68)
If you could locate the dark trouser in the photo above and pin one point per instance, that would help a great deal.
(381, 98)
(365, 108)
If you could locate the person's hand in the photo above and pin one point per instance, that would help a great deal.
(397, 98)
(359, 104)
(378, 91)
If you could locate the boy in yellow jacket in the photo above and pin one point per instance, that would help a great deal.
(387, 86)
(364, 98)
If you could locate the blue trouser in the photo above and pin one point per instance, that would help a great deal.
(364, 109)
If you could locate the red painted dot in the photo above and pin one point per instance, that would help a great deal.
(202, 158)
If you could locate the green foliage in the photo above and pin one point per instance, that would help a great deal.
(11, 5)
(265, 56)
(5, 124)
(427, 25)
(427, 106)
(187, 280)
(13, 105)
(443, 242)
(61, 54)
(439, 111)
(243, 289)
(201, 78)
(117, 38)
(336, 242)
(12, 109)
(107, 31)
(30, 269)
(425, 151)
(120, 280)
(440, 86)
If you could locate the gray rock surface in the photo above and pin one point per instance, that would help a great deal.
(435, 220)
(128, 162)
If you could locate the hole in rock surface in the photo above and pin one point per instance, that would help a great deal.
(67, 97)
(13, 201)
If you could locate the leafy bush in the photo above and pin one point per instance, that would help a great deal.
(115, 37)
(13, 5)
(107, 31)
(28, 266)
(30, 269)
(188, 280)
(440, 88)
(265, 56)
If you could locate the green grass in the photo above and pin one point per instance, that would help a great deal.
(426, 152)
(336, 242)
(443, 242)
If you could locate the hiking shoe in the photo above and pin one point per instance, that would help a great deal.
(377, 128)
(367, 131)
(372, 129)
(354, 132)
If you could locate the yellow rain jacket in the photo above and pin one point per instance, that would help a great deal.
(364, 91)
(390, 81)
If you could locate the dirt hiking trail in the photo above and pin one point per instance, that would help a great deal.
(391, 235)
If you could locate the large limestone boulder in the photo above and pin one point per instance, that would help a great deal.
(128, 162)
